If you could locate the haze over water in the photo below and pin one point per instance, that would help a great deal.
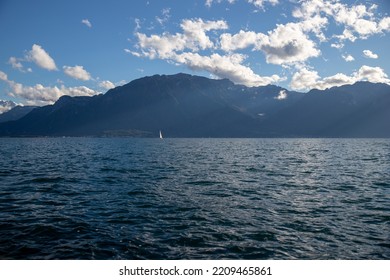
(123, 198)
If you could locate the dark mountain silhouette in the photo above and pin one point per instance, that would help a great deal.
(16, 113)
(190, 106)
(359, 110)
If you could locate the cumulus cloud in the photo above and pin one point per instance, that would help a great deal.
(227, 66)
(182, 48)
(358, 21)
(372, 74)
(207, 46)
(156, 46)
(241, 40)
(195, 32)
(370, 54)
(304, 79)
(309, 79)
(77, 72)
(348, 58)
(41, 58)
(86, 22)
(106, 85)
(194, 37)
(288, 44)
(384, 24)
(173, 47)
(43, 95)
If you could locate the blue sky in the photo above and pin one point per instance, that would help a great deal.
(54, 48)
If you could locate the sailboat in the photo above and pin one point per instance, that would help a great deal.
(161, 137)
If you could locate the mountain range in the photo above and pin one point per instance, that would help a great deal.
(16, 112)
(183, 105)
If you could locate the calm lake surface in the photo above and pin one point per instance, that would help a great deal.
(118, 198)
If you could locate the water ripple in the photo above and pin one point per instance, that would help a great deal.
(92, 198)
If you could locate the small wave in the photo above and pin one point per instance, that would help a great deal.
(370, 159)
(203, 183)
(212, 201)
(254, 169)
(41, 180)
(6, 172)
(263, 236)
(382, 184)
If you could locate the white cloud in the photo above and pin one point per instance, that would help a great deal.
(165, 16)
(106, 85)
(336, 80)
(210, 2)
(347, 35)
(372, 74)
(194, 37)
(15, 63)
(41, 58)
(195, 32)
(260, 3)
(6, 105)
(241, 40)
(358, 21)
(173, 48)
(348, 58)
(228, 66)
(304, 79)
(257, 3)
(357, 18)
(43, 95)
(77, 72)
(337, 45)
(370, 54)
(315, 24)
(384, 24)
(288, 44)
(309, 79)
(201, 46)
(137, 27)
(282, 95)
(3, 76)
(159, 46)
(86, 22)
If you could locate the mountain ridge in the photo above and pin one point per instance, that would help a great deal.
(184, 105)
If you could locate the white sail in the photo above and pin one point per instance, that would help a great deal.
(161, 137)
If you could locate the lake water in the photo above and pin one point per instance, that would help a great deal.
(120, 198)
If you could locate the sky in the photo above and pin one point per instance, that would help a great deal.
(74, 47)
